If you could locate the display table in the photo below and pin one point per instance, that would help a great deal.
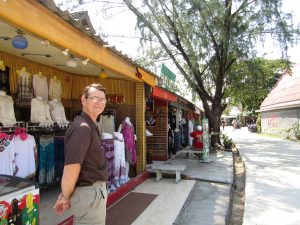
(19, 201)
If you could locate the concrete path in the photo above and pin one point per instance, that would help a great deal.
(206, 203)
(272, 178)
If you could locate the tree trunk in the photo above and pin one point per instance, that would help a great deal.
(214, 121)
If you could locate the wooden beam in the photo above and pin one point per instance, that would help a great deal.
(33, 17)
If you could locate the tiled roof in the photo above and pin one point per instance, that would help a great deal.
(286, 92)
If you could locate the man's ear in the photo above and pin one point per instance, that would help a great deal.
(83, 99)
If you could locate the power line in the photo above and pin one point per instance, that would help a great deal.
(124, 36)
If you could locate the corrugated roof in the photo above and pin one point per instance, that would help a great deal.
(71, 18)
(286, 92)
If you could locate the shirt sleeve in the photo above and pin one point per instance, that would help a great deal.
(77, 144)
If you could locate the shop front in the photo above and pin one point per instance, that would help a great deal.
(42, 82)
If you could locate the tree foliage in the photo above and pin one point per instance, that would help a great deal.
(208, 39)
(252, 81)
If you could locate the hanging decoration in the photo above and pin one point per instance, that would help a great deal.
(2, 65)
(72, 62)
(19, 41)
(102, 74)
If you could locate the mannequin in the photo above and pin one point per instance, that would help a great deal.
(24, 92)
(55, 89)
(7, 113)
(127, 129)
(57, 112)
(190, 130)
(40, 85)
(40, 112)
(119, 159)
(198, 138)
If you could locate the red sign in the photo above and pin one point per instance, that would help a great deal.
(115, 99)
(272, 121)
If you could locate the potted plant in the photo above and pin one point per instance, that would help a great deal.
(227, 142)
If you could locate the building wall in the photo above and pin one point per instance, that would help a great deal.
(277, 122)
(157, 145)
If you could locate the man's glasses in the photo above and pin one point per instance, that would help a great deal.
(96, 99)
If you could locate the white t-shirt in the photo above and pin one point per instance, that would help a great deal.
(57, 112)
(7, 113)
(40, 112)
(55, 89)
(25, 160)
(40, 86)
(7, 156)
(108, 124)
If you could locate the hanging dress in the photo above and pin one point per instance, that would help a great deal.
(130, 148)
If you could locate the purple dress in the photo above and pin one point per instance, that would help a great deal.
(108, 145)
(130, 149)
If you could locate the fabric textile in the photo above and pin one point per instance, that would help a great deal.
(108, 123)
(108, 145)
(55, 89)
(83, 146)
(25, 159)
(119, 156)
(88, 204)
(7, 156)
(40, 86)
(7, 113)
(59, 156)
(24, 92)
(130, 148)
(198, 139)
(46, 160)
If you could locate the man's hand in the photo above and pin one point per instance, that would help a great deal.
(61, 205)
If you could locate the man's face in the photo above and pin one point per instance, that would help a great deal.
(94, 104)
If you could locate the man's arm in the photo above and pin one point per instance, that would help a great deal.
(69, 179)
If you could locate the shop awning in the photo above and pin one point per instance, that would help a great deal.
(162, 94)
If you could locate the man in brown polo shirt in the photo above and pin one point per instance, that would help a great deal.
(85, 172)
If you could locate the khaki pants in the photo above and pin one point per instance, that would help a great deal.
(88, 204)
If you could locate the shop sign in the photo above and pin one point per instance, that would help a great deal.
(115, 99)
(168, 78)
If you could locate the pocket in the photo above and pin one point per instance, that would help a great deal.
(81, 201)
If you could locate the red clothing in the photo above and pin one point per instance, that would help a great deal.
(198, 141)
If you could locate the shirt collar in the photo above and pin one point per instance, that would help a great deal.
(88, 120)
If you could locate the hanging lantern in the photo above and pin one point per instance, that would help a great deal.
(2, 65)
(102, 74)
(71, 62)
(19, 41)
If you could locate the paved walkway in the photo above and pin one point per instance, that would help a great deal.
(272, 178)
(204, 203)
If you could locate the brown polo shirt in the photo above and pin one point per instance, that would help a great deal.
(83, 145)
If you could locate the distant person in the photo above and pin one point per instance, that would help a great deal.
(234, 124)
(223, 124)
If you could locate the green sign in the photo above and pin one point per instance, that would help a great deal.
(167, 72)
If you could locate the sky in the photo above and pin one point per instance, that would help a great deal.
(123, 24)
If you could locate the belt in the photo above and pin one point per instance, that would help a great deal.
(83, 183)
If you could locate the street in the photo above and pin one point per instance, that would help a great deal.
(272, 178)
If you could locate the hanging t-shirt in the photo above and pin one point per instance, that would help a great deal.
(40, 86)
(7, 113)
(7, 156)
(25, 159)
(57, 112)
(198, 139)
(108, 124)
(24, 92)
(55, 89)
